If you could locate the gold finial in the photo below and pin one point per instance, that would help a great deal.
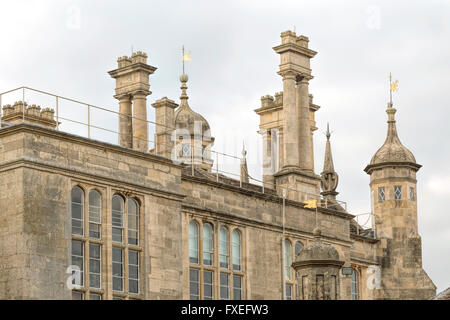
(393, 86)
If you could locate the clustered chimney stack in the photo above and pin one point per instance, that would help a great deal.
(132, 89)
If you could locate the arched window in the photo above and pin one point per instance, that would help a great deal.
(236, 249)
(133, 221)
(95, 214)
(77, 198)
(208, 244)
(117, 218)
(224, 251)
(355, 285)
(193, 242)
(287, 259)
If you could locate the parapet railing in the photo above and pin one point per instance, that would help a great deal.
(72, 121)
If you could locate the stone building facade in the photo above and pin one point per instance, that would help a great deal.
(83, 219)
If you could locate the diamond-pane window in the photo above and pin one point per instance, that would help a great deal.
(397, 193)
(411, 194)
(185, 150)
(381, 194)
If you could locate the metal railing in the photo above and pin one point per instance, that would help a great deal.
(224, 167)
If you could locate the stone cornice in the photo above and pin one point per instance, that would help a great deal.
(358, 237)
(297, 171)
(292, 47)
(369, 168)
(265, 196)
(229, 217)
(268, 109)
(82, 175)
(138, 66)
(366, 262)
(317, 263)
(33, 129)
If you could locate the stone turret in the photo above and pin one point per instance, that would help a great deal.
(393, 186)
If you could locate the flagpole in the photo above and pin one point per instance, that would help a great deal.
(390, 86)
(182, 58)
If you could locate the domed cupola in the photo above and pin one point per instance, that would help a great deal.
(193, 132)
(185, 117)
(317, 266)
(392, 152)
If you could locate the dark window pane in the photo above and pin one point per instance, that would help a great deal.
(94, 280)
(117, 235)
(288, 292)
(77, 295)
(133, 286)
(207, 285)
(117, 284)
(133, 257)
(194, 284)
(77, 211)
(224, 286)
(95, 296)
(94, 230)
(237, 287)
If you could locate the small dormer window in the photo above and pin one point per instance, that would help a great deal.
(411, 194)
(381, 194)
(397, 193)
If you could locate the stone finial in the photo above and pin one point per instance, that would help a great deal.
(139, 57)
(7, 110)
(244, 169)
(267, 101)
(329, 177)
(302, 41)
(48, 114)
(278, 98)
(288, 37)
(123, 62)
(34, 111)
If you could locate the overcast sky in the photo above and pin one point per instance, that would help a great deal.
(67, 47)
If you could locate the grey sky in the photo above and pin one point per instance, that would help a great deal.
(67, 47)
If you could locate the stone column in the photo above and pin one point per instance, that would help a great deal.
(140, 127)
(304, 134)
(125, 121)
(268, 178)
(290, 143)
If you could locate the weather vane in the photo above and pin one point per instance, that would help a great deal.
(393, 86)
(186, 57)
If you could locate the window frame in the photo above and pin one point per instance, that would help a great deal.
(216, 268)
(90, 207)
(105, 233)
(355, 284)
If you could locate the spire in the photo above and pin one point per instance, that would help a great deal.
(329, 178)
(184, 97)
(392, 151)
(244, 170)
(184, 79)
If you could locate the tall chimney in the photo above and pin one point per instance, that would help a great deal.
(132, 86)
